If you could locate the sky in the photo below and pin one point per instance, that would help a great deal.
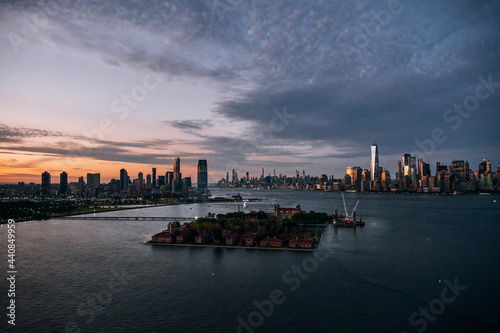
(92, 86)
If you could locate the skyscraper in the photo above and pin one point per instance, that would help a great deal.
(202, 175)
(482, 167)
(235, 177)
(374, 171)
(177, 183)
(169, 179)
(458, 169)
(45, 183)
(93, 181)
(423, 168)
(63, 183)
(123, 180)
(154, 177)
(409, 166)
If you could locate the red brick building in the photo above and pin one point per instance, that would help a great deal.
(163, 237)
(183, 237)
(233, 239)
(203, 237)
(272, 242)
(300, 243)
(285, 213)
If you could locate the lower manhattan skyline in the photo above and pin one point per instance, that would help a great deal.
(207, 85)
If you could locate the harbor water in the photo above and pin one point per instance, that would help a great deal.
(421, 263)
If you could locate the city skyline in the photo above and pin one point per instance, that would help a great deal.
(90, 88)
(406, 166)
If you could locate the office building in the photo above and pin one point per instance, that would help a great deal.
(374, 167)
(45, 183)
(123, 180)
(177, 181)
(458, 169)
(63, 183)
(409, 166)
(93, 181)
(482, 167)
(424, 169)
(202, 175)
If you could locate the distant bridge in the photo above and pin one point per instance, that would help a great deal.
(128, 218)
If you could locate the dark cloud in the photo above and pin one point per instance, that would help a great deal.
(340, 80)
(189, 124)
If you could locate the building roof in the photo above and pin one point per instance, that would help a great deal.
(163, 234)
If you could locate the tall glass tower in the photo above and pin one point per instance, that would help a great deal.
(176, 186)
(374, 164)
(202, 175)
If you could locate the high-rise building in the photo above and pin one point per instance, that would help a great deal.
(140, 177)
(114, 186)
(482, 167)
(202, 175)
(169, 179)
(424, 169)
(148, 181)
(177, 182)
(154, 177)
(45, 183)
(186, 185)
(374, 168)
(123, 180)
(441, 169)
(63, 183)
(235, 177)
(409, 166)
(488, 167)
(399, 174)
(355, 176)
(458, 169)
(93, 181)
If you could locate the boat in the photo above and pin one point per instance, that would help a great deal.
(347, 220)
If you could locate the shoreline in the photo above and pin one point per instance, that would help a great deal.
(104, 210)
(315, 249)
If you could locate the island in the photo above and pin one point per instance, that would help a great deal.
(282, 229)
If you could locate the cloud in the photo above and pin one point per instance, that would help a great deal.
(315, 58)
(189, 124)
